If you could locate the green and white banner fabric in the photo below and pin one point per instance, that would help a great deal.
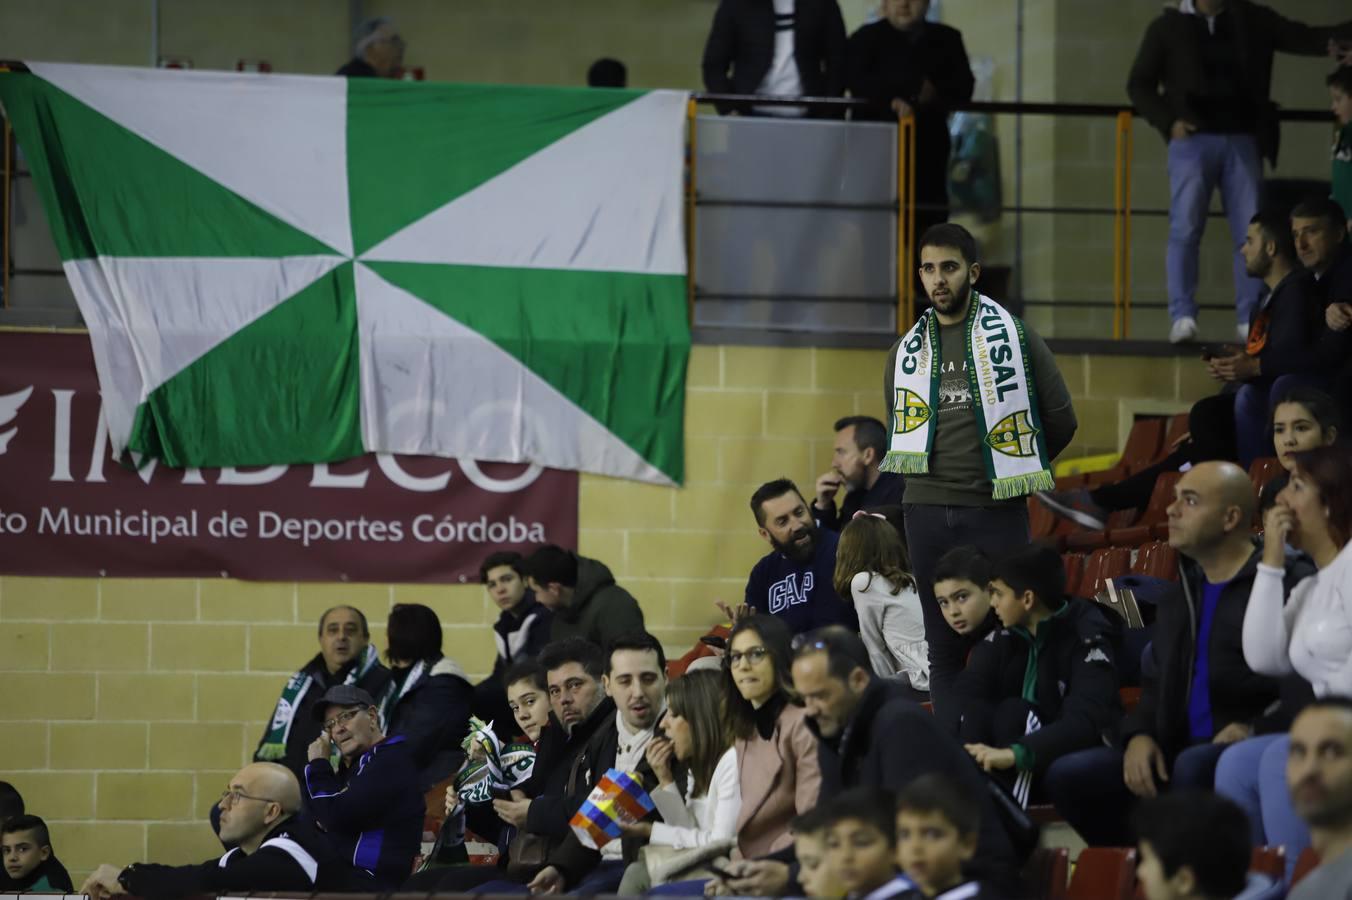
(287, 269)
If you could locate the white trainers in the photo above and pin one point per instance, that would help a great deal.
(1242, 332)
(1184, 329)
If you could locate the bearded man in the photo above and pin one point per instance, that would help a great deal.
(794, 580)
(978, 411)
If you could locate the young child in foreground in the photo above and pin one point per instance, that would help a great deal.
(1175, 863)
(26, 849)
(861, 851)
(937, 824)
(809, 846)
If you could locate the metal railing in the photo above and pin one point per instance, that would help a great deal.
(1121, 211)
(904, 207)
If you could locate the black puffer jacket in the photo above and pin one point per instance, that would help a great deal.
(1073, 688)
(1238, 694)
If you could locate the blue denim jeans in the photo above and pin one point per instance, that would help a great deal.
(1253, 774)
(1197, 166)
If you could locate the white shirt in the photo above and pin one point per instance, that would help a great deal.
(893, 629)
(629, 750)
(782, 79)
(1312, 634)
(700, 820)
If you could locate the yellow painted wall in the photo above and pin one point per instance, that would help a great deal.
(127, 703)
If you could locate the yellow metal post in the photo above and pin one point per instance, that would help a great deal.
(906, 236)
(1119, 145)
(690, 212)
(1125, 120)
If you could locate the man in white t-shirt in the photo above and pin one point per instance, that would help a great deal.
(778, 48)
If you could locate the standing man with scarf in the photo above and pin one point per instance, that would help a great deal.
(978, 411)
(345, 657)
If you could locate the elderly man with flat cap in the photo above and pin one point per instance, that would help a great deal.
(371, 807)
(273, 850)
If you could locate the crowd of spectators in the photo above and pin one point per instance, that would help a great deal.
(908, 672)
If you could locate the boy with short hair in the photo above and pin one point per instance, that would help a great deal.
(30, 865)
(937, 824)
(1044, 685)
(1174, 863)
(809, 848)
(962, 588)
(861, 845)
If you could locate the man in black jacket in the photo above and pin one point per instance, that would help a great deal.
(1199, 696)
(372, 808)
(636, 681)
(521, 632)
(1286, 345)
(904, 64)
(345, 657)
(1202, 77)
(872, 735)
(273, 851)
(859, 448)
(785, 48)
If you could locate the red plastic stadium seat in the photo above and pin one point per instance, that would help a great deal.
(1103, 873)
(1269, 861)
(1305, 863)
(1044, 875)
(1156, 560)
(1155, 514)
(1263, 470)
(1143, 443)
(1074, 563)
(1109, 562)
(1130, 697)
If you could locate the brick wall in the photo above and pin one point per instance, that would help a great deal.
(128, 703)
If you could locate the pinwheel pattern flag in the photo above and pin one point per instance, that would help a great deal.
(618, 799)
(292, 269)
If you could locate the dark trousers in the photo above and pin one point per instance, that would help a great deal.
(1003, 724)
(931, 531)
(1211, 424)
(1088, 791)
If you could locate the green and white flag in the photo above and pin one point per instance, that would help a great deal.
(287, 269)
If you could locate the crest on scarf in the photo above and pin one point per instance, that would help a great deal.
(911, 412)
(1014, 435)
(282, 714)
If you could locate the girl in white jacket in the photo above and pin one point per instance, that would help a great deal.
(872, 568)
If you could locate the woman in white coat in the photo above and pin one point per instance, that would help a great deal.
(1308, 633)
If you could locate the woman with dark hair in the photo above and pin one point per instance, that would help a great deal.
(778, 772)
(873, 572)
(697, 750)
(428, 699)
(1302, 419)
(1308, 634)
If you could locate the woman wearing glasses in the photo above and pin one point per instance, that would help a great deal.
(778, 772)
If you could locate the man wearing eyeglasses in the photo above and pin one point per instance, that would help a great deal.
(272, 851)
(371, 807)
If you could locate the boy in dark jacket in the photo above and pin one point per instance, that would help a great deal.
(1045, 685)
(29, 863)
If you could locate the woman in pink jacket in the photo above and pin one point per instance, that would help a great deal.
(778, 771)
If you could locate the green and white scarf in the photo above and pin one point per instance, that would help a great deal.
(274, 745)
(1004, 400)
